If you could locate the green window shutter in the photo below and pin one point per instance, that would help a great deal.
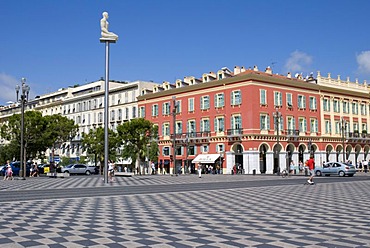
(261, 122)
(222, 102)
(268, 122)
(222, 124)
(293, 121)
(215, 125)
(305, 125)
(280, 99)
(216, 102)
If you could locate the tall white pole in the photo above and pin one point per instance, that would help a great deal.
(107, 37)
(106, 113)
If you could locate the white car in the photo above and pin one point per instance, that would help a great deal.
(335, 168)
(78, 169)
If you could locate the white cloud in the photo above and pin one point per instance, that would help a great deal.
(363, 61)
(7, 92)
(298, 62)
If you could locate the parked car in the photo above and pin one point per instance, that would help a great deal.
(78, 169)
(335, 168)
(16, 166)
(43, 168)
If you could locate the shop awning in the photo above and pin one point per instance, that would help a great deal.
(206, 158)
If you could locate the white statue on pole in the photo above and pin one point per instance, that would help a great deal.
(105, 34)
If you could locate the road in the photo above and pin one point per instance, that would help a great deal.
(186, 211)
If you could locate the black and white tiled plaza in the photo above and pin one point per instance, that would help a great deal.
(292, 215)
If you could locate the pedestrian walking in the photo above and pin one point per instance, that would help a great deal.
(8, 172)
(200, 170)
(311, 168)
(111, 169)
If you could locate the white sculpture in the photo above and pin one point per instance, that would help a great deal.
(105, 34)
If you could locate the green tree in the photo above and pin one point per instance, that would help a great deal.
(59, 129)
(135, 136)
(8, 152)
(34, 126)
(94, 144)
(40, 132)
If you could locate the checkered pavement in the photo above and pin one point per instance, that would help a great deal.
(323, 215)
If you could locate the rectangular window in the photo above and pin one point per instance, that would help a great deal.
(290, 124)
(336, 106)
(204, 125)
(337, 127)
(142, 112)
(204, 102)
(205, 148)
(364, 127)
(263, 99)
(219, 124)
(313, 125)
(220, 148)
(355, 108)
(345, 107)
(219, 100)
(166, 151)
(363, 109)
(236, 97)
(301, 102)
(278, 101)
(313, 105)
(192, 150)
(302, 124)
(191, 104)
(166, 129)
(326, 104)
(155, 110)
(191, 128)
(179, 127)
(264, 122)
(327, 127)
(133, 112)
(236, 124)
(355, 127)
(166, 108)
(127, 113)
(289, 100)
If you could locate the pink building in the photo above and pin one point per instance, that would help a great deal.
(255, 120)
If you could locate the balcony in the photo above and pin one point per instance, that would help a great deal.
(358, 137)
(192, 137)
(292, 134)
(234, 134)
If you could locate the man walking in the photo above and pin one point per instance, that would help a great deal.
(311, 168)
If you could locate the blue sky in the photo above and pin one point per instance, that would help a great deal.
(55, 44)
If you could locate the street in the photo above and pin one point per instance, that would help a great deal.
(186, 211)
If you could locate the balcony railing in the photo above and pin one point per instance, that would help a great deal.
(191, 136)
(292, 133)
(236, 132)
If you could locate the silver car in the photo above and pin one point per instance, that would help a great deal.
(78, 169)
(335, 168)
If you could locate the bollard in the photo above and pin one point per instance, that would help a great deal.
(305, 172)
(254, 172)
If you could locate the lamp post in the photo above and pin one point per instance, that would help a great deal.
(174, 108)
(343, 127)
(23, 99)
(277, 116)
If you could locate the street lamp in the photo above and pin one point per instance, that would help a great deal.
(23, 98)
(174, 108)
(344, 127)
(277, 116)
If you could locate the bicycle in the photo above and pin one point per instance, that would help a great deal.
(284, 174)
